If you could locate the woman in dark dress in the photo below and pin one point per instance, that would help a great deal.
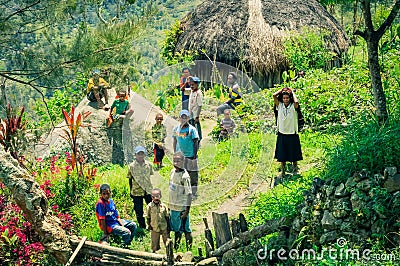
(288, 147)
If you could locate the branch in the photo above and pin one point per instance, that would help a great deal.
(360, 33)
(21, 10)
(35, 88)
(369, 27)
(389, 20)
(98, 12)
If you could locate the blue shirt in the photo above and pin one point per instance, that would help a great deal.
(108, 211)
(185, 139)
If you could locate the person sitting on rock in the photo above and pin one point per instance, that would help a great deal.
(122, 108)
(96, 89)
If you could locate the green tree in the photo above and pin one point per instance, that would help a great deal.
(372, 38)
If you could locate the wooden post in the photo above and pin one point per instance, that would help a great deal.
(200, 252)
(170, 252)
(235, 227)
(209, 243)
(221, 228)
(244, 227)
(268, 227)
(76, 251)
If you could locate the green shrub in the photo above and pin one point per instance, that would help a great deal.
(307, 50)
(365, 145)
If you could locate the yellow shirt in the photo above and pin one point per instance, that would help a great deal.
(158, 214)
(101, 82)
(140, 175)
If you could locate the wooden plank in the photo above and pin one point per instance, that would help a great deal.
(209, 243)
(235, 227)
(244, 227)
(221, 228)
(269, 227)
(76, 251)
(96, 249)
(170, 252)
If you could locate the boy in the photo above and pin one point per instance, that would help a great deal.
(180, 199)
(227, 125)
(186, 140)
(185, 87)
(139, 172)
(195, 104)
(158, 133)
(157, 220)
(109, 220)
(121, 106)
(97, 87)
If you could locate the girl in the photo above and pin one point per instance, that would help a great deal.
(288, 147)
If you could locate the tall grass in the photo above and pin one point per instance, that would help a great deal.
(365, 145)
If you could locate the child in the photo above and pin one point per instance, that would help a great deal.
(288, 147)
(139, 172)
(158, 133)
(109, 220)
(227, 125)
(121, 106)
(157, 220)
(180, 199)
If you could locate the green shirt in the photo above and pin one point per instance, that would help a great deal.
(158, 133)
(120, 106)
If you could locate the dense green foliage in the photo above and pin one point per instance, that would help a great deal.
(341, 135)
(307, 50)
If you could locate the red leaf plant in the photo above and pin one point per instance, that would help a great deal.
(71, 135)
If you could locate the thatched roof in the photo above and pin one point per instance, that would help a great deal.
(251, 31)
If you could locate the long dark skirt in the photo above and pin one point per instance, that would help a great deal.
(158, 154)
(288, 148)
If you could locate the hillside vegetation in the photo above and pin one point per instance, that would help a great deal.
(342, 137)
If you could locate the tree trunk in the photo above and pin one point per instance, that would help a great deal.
(372, 38)
(3, 99)
(33, 202)
(376, 80)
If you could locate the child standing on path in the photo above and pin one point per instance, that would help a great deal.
(139, 172)
(288, 147)
(109, 220)
(195, 104)
(186, 140)
(158, 133)
(180, 200)
(227, 125)
(157, 220)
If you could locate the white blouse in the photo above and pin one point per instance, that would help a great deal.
(287, 119)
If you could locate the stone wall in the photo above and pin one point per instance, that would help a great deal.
(361, 210)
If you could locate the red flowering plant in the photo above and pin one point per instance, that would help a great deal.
(12, 136)
(19, 243)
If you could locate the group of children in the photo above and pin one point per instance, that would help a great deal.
(161, 220)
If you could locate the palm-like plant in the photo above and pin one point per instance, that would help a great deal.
(71, 135)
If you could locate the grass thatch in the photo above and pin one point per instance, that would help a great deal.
(251, 31)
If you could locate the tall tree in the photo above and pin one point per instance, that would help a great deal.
(372, 37)
(43, 43)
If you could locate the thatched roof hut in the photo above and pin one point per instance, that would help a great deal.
(250, 32)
